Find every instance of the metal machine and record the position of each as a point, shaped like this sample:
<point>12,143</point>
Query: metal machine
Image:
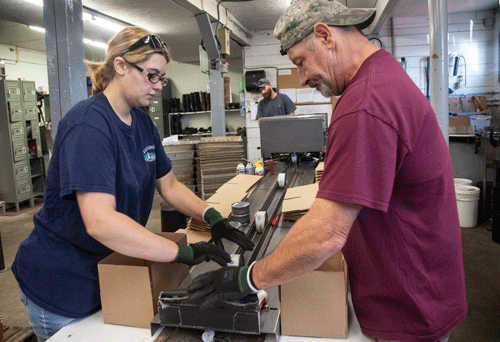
<point>267,197</point>
<point>292,134</point>
<point>281,135</point>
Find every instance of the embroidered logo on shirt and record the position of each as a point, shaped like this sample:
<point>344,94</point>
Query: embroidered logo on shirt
<point>149,156</point>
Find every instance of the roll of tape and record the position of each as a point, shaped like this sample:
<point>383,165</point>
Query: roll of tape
<point>260,221</point>
<point>282,180</point>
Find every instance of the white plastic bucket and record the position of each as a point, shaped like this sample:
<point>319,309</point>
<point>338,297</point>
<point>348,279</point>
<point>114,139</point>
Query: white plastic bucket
<point>467,203</point>
<point>462,181</point>
<point>480,121</point>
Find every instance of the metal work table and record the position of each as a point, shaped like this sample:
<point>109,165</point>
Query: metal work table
<point>92,328</point>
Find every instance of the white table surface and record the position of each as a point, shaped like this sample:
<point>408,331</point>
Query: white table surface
<point>92,329</point>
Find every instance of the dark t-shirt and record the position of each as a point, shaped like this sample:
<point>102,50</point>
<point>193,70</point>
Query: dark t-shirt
<point>94,151</point>
<point>280,105</point>
<point>385,151</point>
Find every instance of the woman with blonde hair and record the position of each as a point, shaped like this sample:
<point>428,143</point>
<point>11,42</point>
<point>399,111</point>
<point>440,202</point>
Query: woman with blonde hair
<point>106,163</point>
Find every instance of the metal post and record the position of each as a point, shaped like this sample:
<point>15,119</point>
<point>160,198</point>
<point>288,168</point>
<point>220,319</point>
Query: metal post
<point>65,54</point>
<point>438,36</point>
<point>217,102</point>
<point>216,79</point>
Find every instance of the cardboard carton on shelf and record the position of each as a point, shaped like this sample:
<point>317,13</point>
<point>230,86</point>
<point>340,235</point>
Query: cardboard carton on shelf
<point>130,287</point>
<point>315,305</point>
<point>459,121</point>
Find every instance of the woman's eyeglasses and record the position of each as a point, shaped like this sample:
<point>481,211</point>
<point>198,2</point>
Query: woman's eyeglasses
<point>151,40</point>
<point>153,78</point>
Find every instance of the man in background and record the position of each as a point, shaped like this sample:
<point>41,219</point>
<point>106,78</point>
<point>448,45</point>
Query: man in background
<point>273,103</point>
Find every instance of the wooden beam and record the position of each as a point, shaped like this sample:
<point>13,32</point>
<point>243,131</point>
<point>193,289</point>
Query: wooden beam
<point>238,32</point>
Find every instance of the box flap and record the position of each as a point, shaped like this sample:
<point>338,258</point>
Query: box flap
<point>315,305</point>
<point>130,286</point>
<point>194,236</point>
<point>126,295</point>
<point>300,198</point>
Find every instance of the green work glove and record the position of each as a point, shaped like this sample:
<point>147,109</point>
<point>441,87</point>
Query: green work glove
<point>220,228</point>
<point>226,283</point>
<point>198,252</point>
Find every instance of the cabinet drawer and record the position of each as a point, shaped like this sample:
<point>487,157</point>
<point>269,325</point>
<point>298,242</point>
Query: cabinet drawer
<point>23,190</point>
<point>19,150</point>
<point>13,91</point>
<point>15,111</point>
<point>17,131</point>
<point>30,111</point>
<point>21,170</point>
<point>29,93</point>
<point>158,110</point>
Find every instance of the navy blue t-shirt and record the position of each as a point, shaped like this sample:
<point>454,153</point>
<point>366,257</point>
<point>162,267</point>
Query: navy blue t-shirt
<point>94,151</point>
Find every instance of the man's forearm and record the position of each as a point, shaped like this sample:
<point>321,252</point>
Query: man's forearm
<point>313,239</point>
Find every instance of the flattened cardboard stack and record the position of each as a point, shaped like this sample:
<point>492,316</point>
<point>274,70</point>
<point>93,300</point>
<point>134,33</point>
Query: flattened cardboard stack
<point>235,190</point>
<point>182,156</point>
<point>298,201</point>
<point>318,172</point>
<point>217,161</point>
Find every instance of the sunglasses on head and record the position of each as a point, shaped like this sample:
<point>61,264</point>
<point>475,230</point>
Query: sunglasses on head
<point>151,40</point>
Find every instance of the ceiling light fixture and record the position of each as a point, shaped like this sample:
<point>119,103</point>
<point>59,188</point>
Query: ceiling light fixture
<point>2,61</point>
<point>94,43</point>
<point>36,28</point>
<point>102,22</point>
<point>91,17</point>
<point>36,2</point>
<point>85,40</point>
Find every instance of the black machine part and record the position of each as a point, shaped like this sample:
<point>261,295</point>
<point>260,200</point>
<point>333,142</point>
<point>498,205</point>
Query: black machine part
<point>243,316</point>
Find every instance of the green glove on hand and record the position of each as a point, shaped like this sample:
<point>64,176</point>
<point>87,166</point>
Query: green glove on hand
<point>226,283</point>
<point>198,252</point>
<point>220,228</point>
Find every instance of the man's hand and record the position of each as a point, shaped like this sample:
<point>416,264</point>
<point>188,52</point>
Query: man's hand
<point>220,228</point>
<point>226,283</point>
<point>202,251</point>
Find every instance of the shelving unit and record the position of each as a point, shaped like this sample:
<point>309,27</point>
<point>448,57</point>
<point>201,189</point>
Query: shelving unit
<point>231,114</point>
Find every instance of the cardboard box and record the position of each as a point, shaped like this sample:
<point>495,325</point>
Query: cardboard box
<point>316,304</point>
<point>130,287</point>
<point>459,121</point>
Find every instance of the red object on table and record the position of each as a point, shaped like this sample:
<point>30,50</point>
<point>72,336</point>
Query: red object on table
<point>271,166</point>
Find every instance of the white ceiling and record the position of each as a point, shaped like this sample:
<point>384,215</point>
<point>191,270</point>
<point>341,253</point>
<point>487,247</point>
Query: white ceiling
<point>176,25</point>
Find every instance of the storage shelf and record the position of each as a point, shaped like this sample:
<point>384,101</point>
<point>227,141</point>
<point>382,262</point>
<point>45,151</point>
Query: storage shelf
<point>203,134</point>
<point>236,110</point>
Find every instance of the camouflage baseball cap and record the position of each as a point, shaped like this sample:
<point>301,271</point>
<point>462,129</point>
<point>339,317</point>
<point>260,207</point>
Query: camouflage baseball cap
<point>300,17</point>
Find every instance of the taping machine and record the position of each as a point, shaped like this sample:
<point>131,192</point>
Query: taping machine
<point>283,136</point>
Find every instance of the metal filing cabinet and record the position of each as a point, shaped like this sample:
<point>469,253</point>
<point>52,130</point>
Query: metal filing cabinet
<point>20,142</point>
<point>156,113</point>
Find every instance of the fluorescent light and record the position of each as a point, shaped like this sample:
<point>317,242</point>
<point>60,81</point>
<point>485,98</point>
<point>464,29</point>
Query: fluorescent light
<point>96,20</point>
<point>86,41</point>
<point>36,28</point>
<point>102,22</point>
<point>36,2</point>
<point>94,43</point>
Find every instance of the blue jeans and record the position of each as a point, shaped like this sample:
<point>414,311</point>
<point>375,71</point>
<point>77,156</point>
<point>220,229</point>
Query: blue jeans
<point>444,338</point>
<point>44,323</point>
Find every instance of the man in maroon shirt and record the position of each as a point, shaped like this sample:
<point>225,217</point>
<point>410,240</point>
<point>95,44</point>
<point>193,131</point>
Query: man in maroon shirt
<point>386,197</point>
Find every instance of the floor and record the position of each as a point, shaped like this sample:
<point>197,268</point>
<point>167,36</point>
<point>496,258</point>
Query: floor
<point>481,261</point>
